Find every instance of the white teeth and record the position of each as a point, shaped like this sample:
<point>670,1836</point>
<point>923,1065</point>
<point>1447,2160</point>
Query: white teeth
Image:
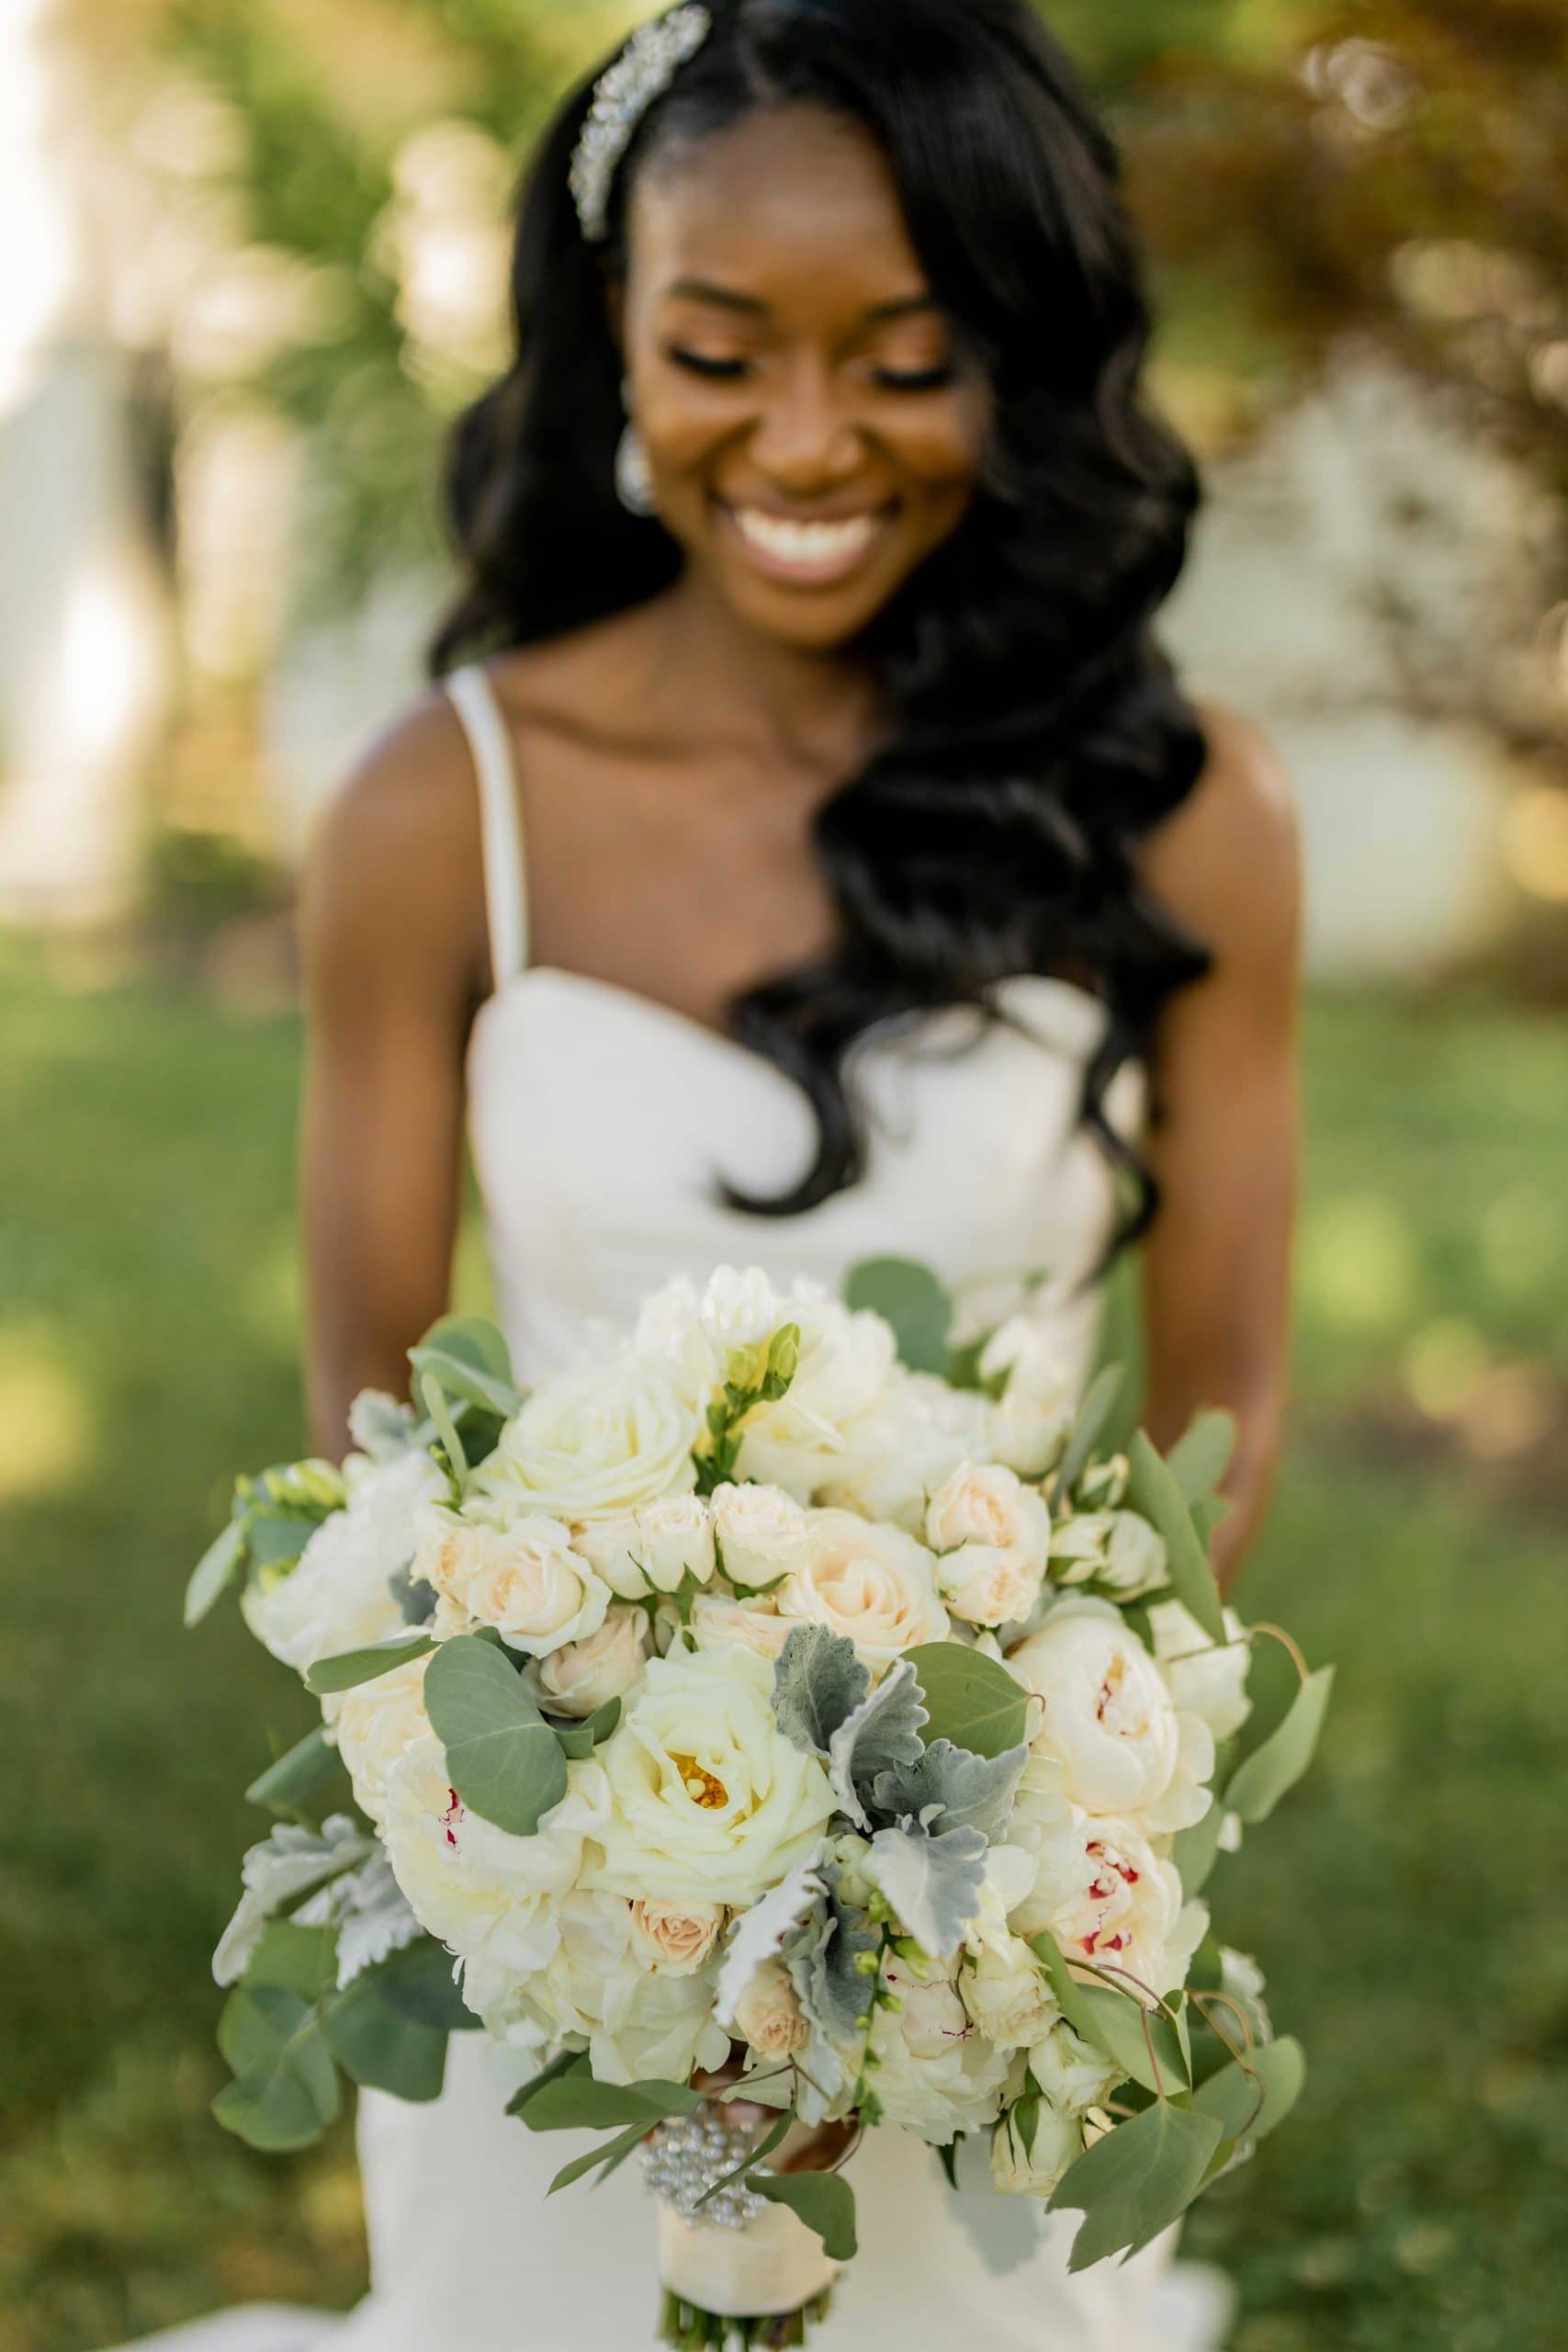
<point>811,546</point>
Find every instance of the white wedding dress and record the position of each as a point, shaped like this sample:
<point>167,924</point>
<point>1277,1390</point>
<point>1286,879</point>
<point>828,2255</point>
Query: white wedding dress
<point>599,1122</point>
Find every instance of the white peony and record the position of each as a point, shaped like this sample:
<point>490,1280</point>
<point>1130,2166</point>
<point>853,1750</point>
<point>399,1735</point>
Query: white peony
<point>585,1675</point>
<point>938,2075</point>
<point>656,1549</point>
<point>1205,1679</point>
<point>594,1445</point>
<point>564,1995</point>
<point>1106,1897</point>
<point>656,2028</point>
<point>875,1585</point>
<point>338,1595</point>
<point>895,1455</point>
<point>1031,2148</point>
<point>1030,1420</point>
<point>377,1723</point>
<point>708,1801</point>
<point>719,1622</point>
<point>1110,1721</point>
<point>759,1530</point>
<point>524,1579</point>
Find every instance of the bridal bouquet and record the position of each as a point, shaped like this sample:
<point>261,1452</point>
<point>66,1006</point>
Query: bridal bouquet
<point>789,1710</point>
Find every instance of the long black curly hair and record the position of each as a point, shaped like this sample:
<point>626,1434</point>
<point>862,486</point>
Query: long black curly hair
<point>1039,730</point>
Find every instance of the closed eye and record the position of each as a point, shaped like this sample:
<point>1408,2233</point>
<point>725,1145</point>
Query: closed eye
<point>698,363</point>
<point>925,380</point>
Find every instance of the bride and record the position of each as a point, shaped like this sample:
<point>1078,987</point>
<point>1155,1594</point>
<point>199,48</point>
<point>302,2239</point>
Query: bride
<point>845,874</point>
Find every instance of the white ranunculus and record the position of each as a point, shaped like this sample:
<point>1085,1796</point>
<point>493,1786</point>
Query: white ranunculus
<point>482,1893</point>
<point>594,1445</point>
<point>655,1549</point>
<point>1030,1420</point>
<point>338,1595</point>
<point>894,1456</point>
<point>719,1622</point>
<point>769,2015</point>
<point>1006,1993</point>
<point>1072,2073</point>
<point>938,2075</point>
<point>377,1723</point>
<point>1109,1719</point>
<point>585,1675</point>
<point>875,1585</point>
<point>708,1801</point>
<point>1205,1680</point>
<point>759,1532</point>
<point>678,1938</point>
<point>1031,2148</point>
<point>656,2028</point>
<point>523,1578</point>
<point>1107,1896</point>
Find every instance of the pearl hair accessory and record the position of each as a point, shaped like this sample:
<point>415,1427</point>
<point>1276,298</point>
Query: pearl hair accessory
<point>640,74</point>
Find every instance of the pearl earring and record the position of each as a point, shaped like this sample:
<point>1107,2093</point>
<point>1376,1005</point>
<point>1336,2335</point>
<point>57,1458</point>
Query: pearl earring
<point>633,475</point>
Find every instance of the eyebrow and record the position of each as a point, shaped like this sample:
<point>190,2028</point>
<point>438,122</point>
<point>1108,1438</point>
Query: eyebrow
<point>726,298</point>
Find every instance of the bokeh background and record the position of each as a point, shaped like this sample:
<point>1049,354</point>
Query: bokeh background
<point>252,260</point>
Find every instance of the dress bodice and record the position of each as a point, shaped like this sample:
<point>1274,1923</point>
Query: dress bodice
<point>603,1126</point>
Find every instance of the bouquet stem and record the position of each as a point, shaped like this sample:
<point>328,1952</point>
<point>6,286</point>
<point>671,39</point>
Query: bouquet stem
<point>690,2329</point>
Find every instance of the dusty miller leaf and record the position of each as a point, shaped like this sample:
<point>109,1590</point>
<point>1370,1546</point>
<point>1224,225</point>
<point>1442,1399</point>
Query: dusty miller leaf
<point>292,1862</point>
<point>759,1934</point>
<point>933,1883</point>
<point>973,1792</point>
<point>818,1681</point>
<point>884,1733</point>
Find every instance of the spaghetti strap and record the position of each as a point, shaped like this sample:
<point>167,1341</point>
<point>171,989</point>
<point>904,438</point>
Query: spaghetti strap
<point>506,889</point>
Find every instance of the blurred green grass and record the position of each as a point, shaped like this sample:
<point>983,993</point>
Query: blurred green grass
<point>1408,1905</point>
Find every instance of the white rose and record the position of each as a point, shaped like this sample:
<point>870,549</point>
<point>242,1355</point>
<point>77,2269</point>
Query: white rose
<point>994,1536</point>
<point>1107,1896</point>
<point>1072,2073</point>
<point>675,1936</point>
<point>1109,1719</point>
<point>1205,1679</point>
<point>846,1363</point>
<point>655,1549</point>
<point>938,2076</point>
<point>759,1532</point>
<point>656,2028</point>
<point>895,1455</point>
<point>709,1802</point>
<point>338,1596</point>
<point>583,1676</point>
<point>719,1623</point>
<point>1031,2148</point>
<point>523,1578</point>
<point>1006,1991</point>
<point>1115,1548</point>
<point>377,1723</point>
<point>875,1585</point>
<point>769,2015</point>
<point>482,1893</point>
<point>1030,1420</point>
<point>594,1445</point>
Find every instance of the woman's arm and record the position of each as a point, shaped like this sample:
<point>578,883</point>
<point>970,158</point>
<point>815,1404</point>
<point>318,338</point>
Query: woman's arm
<point>394,959</point>
<point>1216,1267</point>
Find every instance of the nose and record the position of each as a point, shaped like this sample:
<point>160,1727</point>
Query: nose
<point>805,442</point>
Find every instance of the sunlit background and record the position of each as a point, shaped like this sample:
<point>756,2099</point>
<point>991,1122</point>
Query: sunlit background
<point>252,261</point>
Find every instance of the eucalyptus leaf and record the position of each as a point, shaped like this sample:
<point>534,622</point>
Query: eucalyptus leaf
<point>1137,2180</point>
<point>823,2201</point>
<point>418,1981</point>
<point>818,1681</point>
<point>883,1732</point>
<point>909,1296</point>
<point>608,2156</point>
<point>312,1769</point>
<point>1152,1490</point>
<point>276,1539</point>
<point>578,1740</point>
<point>351,1668</point>
<point>969,1791</point>
<point>933,1883</point>
<point>1120,2019</point>
<point>1250,2097</point>
<point>1265,1776</point>
<point>383,2049</point>
<point>971,1700</point>
<point>565,2062</point>
<point>502,1758</point>
<point>286,2087</point>
<point>215,1572</point>
<point>1195,1852</point>
<point>574,2101</point>
<point>1099,1404</point>
<point>1199,1460</point>
<point>302,1960</point>
<point>464,1383</point>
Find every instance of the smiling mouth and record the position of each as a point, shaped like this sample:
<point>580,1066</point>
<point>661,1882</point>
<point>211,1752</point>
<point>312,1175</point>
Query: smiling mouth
<point>816,554</point>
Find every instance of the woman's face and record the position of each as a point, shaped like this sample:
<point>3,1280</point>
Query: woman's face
<point>814,430</point>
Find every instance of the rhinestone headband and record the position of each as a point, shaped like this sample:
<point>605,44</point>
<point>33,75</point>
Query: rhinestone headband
<point>640,74</point>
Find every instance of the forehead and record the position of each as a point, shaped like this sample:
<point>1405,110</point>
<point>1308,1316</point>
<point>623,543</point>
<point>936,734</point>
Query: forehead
<point>788,203</point>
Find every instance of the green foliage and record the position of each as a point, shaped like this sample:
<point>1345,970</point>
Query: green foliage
<point>1151,1489</point>
<point>1271,1770</point>
<point>910,1296</point>
<point>1252,2096</point>
<point>503,1759</point>
<point>1199,1458</point>
<point>379,2044</point>
<point>572,2101</point>
<point>308,1782</point>
<point>972,1700</point>
<point>285,2087</point>
<point>352,1667</point>
<point>1137,2180</point>
<point>754,1376</point>
<point>467,1358</point>
<point>823,2201</point>
<point>1100,1402</point>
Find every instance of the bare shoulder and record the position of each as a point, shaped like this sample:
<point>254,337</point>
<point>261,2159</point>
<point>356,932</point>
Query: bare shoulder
<point>398,857</point>
<point>1227,863</point>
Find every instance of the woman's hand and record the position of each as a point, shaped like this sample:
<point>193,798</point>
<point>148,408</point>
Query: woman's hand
<point>818,2149</point>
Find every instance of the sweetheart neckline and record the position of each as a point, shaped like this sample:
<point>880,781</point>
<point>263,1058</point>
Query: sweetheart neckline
<point>1069,994</point>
